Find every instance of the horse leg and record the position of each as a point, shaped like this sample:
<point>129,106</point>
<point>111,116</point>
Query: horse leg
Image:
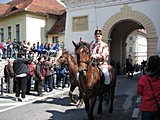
<point>86,102</point>
<point>80,103</point>
<point>112,91</point>
<point>73,99</point>
<point>100,104</point>
<point>92,102</point>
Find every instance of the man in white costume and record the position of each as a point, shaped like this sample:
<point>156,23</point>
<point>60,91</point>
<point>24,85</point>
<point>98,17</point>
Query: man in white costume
<point>100,52</point>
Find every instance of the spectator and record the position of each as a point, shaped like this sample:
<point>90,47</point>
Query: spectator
<point>56,77</point>
<point>41,49</point>
<point>15,48</point>
<point>52,50</point>
<point>28,49</point>
<point>152,78</point>
<point>0,50</point>
<point>9,74</point>
<point>62,75</point>
<point>34,48</point>
<point>4,48</point>
<point>57,46</point>
<point>29,77</point>
<point>39,75</point>
<point>21,68</point>
<point>9,48</point>
<point>48,77</point>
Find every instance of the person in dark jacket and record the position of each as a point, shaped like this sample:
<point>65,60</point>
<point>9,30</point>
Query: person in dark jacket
<point>39,75</point>
<point>48,77</point>
<point>21,68</point>
<point>9,74</point>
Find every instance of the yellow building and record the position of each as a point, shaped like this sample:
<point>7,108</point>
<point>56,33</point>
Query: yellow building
<point>31,20</point>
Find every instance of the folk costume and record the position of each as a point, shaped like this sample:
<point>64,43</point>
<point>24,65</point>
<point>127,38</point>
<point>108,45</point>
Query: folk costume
<point>100,51</point>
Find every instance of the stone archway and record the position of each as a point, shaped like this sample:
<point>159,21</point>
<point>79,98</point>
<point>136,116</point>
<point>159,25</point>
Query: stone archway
<point>127,13</point>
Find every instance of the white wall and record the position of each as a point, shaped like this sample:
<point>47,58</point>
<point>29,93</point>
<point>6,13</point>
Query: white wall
<point>13,21</point>
<point>35,28</point>
<point>150,8</point>
<point>99,15</point>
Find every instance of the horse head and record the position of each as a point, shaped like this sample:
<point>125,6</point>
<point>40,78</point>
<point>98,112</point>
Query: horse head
<point>63,59</point>
<point>83,52</point>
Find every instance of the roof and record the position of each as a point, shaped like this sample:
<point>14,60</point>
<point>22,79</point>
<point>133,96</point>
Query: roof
<point>3,8</point>
<point>37,6</point>
<point>59,26</point>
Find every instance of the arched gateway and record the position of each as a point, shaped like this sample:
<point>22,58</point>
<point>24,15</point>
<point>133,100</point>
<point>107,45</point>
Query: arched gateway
<point>117,19</point>
<point>119,26</point>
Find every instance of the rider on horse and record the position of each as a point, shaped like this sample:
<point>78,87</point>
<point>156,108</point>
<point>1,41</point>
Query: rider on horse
<point>100,52</point>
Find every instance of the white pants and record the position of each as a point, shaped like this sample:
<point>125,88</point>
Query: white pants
<point>106,74</point>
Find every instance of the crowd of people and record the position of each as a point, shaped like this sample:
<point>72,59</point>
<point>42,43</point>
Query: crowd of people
<point>32,63</point>
<point>10,49</point>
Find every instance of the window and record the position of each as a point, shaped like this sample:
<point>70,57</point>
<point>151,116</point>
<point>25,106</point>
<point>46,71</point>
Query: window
<point>130,49</point>
<point>9,32</point>
<point>1,34</point>
<point>18,32</point>
<point>54,39</point>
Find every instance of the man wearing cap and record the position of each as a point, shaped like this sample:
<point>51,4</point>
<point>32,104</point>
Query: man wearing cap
<point>100,52</point>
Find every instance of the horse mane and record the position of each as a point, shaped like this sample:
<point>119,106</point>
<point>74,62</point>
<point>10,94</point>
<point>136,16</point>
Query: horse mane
<point>85,44</point>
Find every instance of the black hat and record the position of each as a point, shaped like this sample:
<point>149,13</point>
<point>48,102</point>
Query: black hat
<point>98,32</point>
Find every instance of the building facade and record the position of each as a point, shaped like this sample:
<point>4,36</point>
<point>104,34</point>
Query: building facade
<point>117,19</point>
<point>29,20</point>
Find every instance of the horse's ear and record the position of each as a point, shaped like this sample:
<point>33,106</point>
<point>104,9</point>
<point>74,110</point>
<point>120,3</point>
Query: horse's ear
<point>75,45</point>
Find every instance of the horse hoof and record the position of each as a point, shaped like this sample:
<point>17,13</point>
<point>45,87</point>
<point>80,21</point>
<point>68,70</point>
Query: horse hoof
<point>74,100</point>
<point>79,104</point>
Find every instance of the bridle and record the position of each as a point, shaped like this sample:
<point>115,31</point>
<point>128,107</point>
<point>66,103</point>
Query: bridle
<point>82,61</point>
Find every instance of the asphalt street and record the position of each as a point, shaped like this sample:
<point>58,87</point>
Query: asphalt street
<point>57,105</point>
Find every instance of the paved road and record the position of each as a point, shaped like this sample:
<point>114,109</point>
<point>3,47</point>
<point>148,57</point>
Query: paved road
<point>58,106</point>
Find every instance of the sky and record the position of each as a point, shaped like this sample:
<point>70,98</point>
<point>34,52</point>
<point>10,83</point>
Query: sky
<point>4,1</point>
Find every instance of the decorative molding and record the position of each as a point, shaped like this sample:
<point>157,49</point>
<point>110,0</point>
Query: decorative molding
<point>74,4</point>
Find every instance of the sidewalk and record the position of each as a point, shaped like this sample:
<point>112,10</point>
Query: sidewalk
<point>7,101</point>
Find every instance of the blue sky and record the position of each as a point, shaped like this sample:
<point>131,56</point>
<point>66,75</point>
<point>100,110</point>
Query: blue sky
<point>4,1</point>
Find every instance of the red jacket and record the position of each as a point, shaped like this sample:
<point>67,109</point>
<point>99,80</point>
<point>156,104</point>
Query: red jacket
<point>0,46</point>
<point>31,66</point>
<point>148,102</point>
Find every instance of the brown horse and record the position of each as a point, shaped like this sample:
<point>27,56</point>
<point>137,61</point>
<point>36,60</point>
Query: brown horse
<point>92,80</point>
<point>70,61</point>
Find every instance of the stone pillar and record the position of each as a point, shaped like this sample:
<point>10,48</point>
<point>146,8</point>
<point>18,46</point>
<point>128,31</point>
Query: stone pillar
<point>151,46</point>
